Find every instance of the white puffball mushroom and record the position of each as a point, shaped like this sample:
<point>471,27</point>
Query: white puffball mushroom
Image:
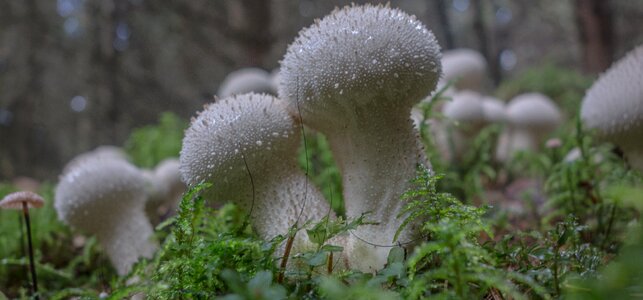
<point>613,106</point>
<point>106,198</point>
<point>466,109</point>
<point>246,146</point>
<point>164,188</point>
<point>494,110</point>
<point>246,80</point>
<point>465,118</point>
<point>467,67</point>
<point>530,118</point>
<point>354,76</point>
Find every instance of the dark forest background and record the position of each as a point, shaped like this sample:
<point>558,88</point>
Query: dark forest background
<point>75,74</point>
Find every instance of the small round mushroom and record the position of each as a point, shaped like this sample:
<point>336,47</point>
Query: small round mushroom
<point>467,67</point>
<point>165,189</point>
<point>106,198</point>
<point>494,110</point>
<point>465,114</point>
<point>246,80</point>
<point>246,146</point>
<point>531,117</point>
<point>354,76</point>
<point>613,106</point>
<point>23,201</point>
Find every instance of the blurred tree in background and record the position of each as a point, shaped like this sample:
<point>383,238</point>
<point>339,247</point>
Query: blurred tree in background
<point>75,74</point>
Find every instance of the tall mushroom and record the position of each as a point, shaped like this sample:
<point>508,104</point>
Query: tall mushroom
<point>106,198</point>
<point>354,76</point>
<point>246,146</point>
<point>613,106</point>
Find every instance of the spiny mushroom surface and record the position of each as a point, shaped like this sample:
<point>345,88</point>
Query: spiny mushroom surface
<point>246,146</point>
<point>467,67</point>
<point>354,76</point>
<point>531,117</point>
<point>106,198</point>
<point>246,80</point>
<point>613,106</point>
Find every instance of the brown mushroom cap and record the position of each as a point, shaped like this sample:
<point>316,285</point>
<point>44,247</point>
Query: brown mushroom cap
<point>15,200</point>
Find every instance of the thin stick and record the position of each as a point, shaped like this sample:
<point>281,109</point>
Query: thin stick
<point>23,248</point>
<point>32,265</point>
<point>284,260</point>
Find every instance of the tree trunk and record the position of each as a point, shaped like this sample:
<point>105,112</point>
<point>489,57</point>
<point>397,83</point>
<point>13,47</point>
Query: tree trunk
<point>596,33</point>
<point>443,14</point>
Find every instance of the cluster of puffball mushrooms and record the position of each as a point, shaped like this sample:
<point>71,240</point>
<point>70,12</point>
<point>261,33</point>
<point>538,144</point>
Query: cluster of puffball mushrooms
<point>103,194</point>
<point>354,76</point>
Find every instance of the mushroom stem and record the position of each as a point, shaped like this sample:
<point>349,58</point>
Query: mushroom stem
<point>388,154</point>
<point>127,240</point>
<point>32,265</point>
<point>303,203</point>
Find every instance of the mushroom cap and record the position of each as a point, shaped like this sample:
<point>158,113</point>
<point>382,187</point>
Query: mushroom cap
<point>103,152</point>
<point>367,57</point>
<point>252,129</point>
<point>95,192</point>
<point>467,66</point>
<point>246,80</point>
<point>533,111</point>
<point>465,107</point>
<point>493,110</point>
<point>15,200</point>
<point>613,105</point>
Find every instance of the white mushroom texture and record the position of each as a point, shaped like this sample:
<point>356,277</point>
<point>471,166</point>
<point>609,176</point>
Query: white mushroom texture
<point>106,197</point>
<point>354,76</point>
<point>246,147</point>
<point>613,106</point>
<point>246,80</point>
